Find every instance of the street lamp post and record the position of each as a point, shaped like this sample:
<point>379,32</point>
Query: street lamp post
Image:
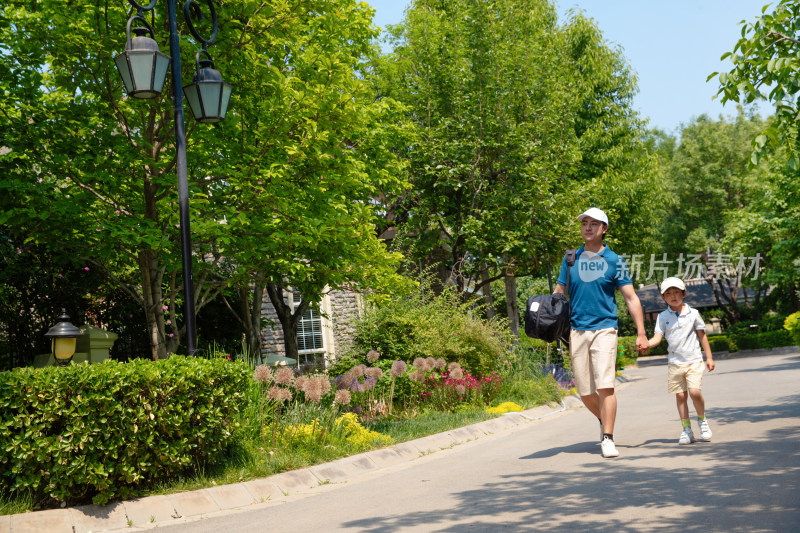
<point>143,70</point>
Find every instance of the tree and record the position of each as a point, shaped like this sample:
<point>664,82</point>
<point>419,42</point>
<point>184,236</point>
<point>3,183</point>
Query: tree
<point>280,191</point>
<point>514,113</point>
<point>764,68</point>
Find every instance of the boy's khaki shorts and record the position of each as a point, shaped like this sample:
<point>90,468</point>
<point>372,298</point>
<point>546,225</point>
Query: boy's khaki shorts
<point>594,359</point>
<point>680,378</point>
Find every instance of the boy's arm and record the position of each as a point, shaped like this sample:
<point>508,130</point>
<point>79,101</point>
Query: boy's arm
<point>701,335</point>
<point>655,341</point>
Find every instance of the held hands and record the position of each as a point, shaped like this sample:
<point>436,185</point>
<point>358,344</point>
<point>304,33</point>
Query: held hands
<point>642,344</point>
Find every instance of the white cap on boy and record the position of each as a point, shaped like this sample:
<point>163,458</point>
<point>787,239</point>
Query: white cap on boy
<point>594,213</point>
<point>672,282</point>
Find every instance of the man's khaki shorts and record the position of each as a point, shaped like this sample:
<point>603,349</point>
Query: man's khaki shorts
<point>594,359</point>
<point>680,378</point>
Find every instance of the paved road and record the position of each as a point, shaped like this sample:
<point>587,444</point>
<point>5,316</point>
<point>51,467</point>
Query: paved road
<point>549,475</point>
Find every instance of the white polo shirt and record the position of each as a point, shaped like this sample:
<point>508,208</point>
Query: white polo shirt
<point>679,330</point>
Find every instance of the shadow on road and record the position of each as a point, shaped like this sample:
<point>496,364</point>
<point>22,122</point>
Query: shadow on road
<point>735,482</point>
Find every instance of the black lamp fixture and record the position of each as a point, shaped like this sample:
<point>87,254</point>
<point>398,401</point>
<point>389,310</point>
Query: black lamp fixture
<point>143,69</point>
<point>142,66</point>
<point>63,336</point>
<point>208,95</point>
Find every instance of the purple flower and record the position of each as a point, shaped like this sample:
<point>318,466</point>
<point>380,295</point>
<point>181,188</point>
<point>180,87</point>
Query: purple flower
<point>86,269</point>
<point>171,335</point>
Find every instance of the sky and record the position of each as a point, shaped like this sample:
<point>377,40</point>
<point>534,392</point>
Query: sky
<point>671,45</point>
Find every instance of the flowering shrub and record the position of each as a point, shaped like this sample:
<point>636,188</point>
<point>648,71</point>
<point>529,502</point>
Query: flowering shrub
<point>448,390</point>
<point>360,437</point>
<point>505,407</point>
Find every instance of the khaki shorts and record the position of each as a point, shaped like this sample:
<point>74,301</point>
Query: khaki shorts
<point>594,359</point>
<point>680,378</point>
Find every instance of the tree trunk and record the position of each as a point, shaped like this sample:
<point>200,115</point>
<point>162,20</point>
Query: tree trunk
<point>250,308</point>
<point>511,300</point>
<point>152,298</point>
<point>488,299</point>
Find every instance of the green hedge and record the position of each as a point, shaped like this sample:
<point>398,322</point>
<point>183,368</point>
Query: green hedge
<point>765,340</point>
<point>96,432</point>
<point>721,343</point>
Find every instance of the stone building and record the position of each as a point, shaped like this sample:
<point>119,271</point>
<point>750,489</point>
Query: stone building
<point>321,333</point>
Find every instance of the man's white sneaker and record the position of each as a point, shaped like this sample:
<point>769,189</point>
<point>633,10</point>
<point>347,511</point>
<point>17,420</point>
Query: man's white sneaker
<point>686,436</point>
<point>608,448</point>
<point>705,430</point>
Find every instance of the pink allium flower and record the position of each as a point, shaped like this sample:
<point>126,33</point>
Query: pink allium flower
<point>262,374</point>
<point>279,394</point>
<point>374,372</point>
<point>441,363</point>
<point>358,371</point>
<point>461,389</point>
<point>284,376</point>
<point>300,383</point>
<point>368,384</point>
<point>419,363</point>
<point>314,395</point>
<point>453,365</point>
<point>342,397</point>
<point>398,368</point>
<point>372,356</point>
<point>457,373</point>
<point>430,363</point>
<point>322,383</point>
<point>417,375</point>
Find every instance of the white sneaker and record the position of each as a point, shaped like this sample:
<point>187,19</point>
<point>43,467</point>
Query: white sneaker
<point>705,430</point>
<point>687,437</point>
<point>608,448</point>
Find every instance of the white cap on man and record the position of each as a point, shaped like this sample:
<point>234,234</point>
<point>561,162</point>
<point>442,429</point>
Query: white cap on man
<point>594,213</point>
<point>672,282</point>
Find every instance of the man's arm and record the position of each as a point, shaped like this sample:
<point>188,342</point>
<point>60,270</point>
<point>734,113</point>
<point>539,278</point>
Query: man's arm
<point>635,309</point>
<point>560,289</point>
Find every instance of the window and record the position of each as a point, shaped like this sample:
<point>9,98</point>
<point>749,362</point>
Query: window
<point>310,340</point>
<point>309,331</point>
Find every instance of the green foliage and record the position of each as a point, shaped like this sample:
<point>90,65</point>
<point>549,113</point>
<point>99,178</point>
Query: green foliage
<point>792,325</point>
<point>96,432</point>
<point>764,340</point>
<point>722,343</point>
<point>423,325</point>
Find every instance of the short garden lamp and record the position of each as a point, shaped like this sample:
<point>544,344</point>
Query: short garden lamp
<point>208,95</point>
<point>64,336</point>
<point>142,67</point>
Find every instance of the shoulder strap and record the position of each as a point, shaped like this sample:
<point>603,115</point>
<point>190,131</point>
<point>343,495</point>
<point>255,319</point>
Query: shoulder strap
<point>569,256</point>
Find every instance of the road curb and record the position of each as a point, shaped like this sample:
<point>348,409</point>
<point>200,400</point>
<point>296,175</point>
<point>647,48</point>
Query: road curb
<point>143,514</point>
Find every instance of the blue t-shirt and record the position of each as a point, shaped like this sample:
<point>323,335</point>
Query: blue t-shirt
<point>592,281</point>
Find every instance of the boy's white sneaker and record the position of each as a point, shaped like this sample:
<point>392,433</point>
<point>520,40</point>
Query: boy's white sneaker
<point>705,430</point>
<point>608,449</point>
<point>687,437</point>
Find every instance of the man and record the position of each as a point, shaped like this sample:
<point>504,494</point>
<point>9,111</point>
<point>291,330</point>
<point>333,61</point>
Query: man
<point>597,272</point>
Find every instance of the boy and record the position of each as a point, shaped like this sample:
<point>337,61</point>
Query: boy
<point>685,332</point>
